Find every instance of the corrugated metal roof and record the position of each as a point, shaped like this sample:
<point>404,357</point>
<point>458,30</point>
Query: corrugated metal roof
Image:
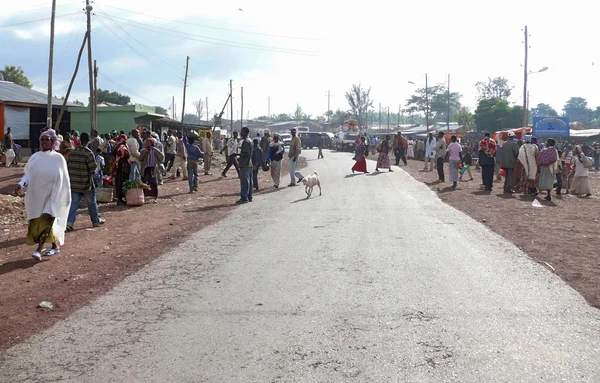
<point>11,92</point>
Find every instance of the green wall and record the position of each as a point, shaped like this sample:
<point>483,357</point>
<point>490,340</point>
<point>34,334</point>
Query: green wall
<point>109,117</point>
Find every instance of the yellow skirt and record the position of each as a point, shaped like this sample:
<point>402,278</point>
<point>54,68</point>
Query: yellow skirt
<point>39,230</point>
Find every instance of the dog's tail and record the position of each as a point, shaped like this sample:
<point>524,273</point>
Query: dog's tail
<point>315,173</point>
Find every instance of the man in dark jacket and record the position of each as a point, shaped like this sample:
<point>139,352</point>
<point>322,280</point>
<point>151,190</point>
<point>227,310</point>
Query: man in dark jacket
<point>508,162</point>
<point>258,161</point>
<point>245,163</point>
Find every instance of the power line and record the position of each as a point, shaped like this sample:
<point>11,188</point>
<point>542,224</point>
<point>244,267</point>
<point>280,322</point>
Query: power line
<point>144,57</point>
<point>35,21</point>
<point>154,103</point>
<point>218,28</point>
<point>39,8</point>
<point>164,31</point>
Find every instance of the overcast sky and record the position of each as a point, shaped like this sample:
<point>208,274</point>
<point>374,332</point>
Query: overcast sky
<point>329,46</point>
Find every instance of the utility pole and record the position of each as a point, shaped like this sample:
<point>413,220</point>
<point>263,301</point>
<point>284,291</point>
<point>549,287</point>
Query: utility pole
<point>207,114</point>
<point>388,119</point>
<point>88,9</point>
<point>173,108</point>
<point>448,117</point>
<point>328,105</point>
<point>231,105</point>
<point>426,103</point>
<point>51,65</point>
<point>525,87</point>
<point>269,107</point>
<point>242,108</point>
<point>187,64</point>
<point>399,112</point>
<point>379,127</point>
<point>95,124</point>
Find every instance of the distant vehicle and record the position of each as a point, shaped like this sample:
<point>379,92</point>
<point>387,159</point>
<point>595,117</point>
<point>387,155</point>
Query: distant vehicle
<point>286,138</point>
<point>345,141</point>
<point>303,129</point>
<point>308,139</point>
<point>328,140</point>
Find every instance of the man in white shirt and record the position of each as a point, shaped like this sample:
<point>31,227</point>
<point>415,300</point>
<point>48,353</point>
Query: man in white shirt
<point>232,148</point>
<point>207,148</point>
<point>170,150</point>
<point>134,153</point>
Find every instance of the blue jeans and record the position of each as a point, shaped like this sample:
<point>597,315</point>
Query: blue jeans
<point>246,184</point>
<point>134,172</point>
<point>192,169</point>
<point>91,203</point>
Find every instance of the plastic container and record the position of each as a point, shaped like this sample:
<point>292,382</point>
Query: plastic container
<point>134,197</point>
<point>105,195</point>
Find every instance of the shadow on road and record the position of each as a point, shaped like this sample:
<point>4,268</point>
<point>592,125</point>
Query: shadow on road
<point>17,265</point>
<point>300,200</point>
<point>376,173</point>
<point>208,208</point>
<point>506,196</point>
<point>352,175</point>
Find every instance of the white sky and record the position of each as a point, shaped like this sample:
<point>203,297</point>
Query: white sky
<point>381,44</point>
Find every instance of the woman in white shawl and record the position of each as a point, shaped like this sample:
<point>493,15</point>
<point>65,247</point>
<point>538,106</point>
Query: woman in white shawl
<point>48,196</point>
<point>528,158</point>
<point>410,153</point>
<point>430,152</point>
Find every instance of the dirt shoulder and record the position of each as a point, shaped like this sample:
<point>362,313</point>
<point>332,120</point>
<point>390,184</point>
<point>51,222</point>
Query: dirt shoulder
<point>562,234</point>
<point>93,260</point>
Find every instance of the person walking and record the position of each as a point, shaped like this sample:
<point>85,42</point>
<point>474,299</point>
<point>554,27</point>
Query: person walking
<point>170,151</point>
<point>440,155</point>
<point>82,166</point>
<point>257,162</point>
<point>274,158</point>
<point>150,158</point>
<point>547,158</point>
<point>48,196</point>
<point>508,162</point>
<point>487,157</point>
<point>320,146</point>
<point>133,147</point>
<point>361,161</point>
<point>9,147</point>
<point>528,158</point>
<point>207,148</point>
<point>429,152</point>
<point>265,141</point>
<point>180,161</point>
<point>383,159</point>
<point>294,156</point>
<point>455,159</point>
<point>231,151</point>
<point>193,156</point>
<point>245,163</point>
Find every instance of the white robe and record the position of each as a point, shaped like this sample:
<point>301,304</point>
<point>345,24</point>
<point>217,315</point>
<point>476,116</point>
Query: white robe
<point>48,189</point>
<point>527,157</point>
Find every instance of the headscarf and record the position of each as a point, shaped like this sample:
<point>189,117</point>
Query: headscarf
<point>569,147</point>
<point>53,138</point>
<point>488,146</point>
<point>527,138</point>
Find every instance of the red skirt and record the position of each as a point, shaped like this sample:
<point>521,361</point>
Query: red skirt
<point>360,165</point>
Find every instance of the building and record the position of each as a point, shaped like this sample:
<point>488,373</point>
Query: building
<point>120,118</point>
<point>24,110</point>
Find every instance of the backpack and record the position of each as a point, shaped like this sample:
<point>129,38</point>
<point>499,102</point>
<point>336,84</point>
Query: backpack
<point>547,157</point>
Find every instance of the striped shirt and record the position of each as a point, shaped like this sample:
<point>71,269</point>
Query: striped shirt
<point>151,159</point>
<point>81,164</point>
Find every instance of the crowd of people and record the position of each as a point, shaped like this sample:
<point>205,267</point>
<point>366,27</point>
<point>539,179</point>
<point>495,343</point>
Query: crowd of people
<point>69,168</point>
<point>527,165</point>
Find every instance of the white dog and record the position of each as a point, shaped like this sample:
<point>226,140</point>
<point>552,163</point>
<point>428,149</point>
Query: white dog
<point>310,182</point>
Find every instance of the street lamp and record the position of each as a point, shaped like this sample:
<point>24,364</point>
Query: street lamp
<point>426,101</point>
<point>525,103</point>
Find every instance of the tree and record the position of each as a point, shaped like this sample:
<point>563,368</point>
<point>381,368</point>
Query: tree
<point>577,110</point>
<point>161,110</point>
<point>544,110</point>
<point>497,88</point>
<point>190,118</point>
<point>495,114</point>
<point>112,98</point>
<point>77,102</point>
<point>199,105</point>
<point>465,118</point>
<point>16,75</point>
<point>299,114</point>
<point>328,114</point>
<point>339,117</point>
<point>360,102</point>
<point>437,98</point>
<point>283,117</point>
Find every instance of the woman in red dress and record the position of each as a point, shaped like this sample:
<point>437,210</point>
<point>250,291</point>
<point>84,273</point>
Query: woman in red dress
<point>361,160</point>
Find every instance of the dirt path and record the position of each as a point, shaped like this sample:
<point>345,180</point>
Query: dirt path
<point>562,234</point>
<point>93,260</point>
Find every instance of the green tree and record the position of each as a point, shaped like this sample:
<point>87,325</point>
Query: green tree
<point>437,98</point>
<point>299,115</point>
<point>497,87</point>
<point>16,75</point>
<point>112,97</point>
<point>161,110</point>
<point>544,110</point>
<point>77,102</point>
<point>283,117</point>
<point>190,118</point>
<point>465,118</point>
<point>577,110</point>
<point>360,101</point>
<point>495,114</point>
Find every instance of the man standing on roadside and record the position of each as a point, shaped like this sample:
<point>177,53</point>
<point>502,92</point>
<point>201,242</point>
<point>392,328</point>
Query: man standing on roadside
<point>207,148</point>
<point>95,142</point>
<point>9,147</point>
<point>170,151</point>
<point>133,147</point>
<point>510,153</point>
<point>320,146</point>
<point>82,165</point>
<point>294,156</point>
<point>264,145</point>
<point>231,152</point>
<point>487,159</point>
<point>180,158</point>
<point>274,158</point>
<point>245,167</point>
<point>440,155</point>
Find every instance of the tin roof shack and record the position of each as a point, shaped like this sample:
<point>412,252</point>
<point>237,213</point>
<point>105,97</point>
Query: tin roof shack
<point>24,110</point>
<point>120,118</point>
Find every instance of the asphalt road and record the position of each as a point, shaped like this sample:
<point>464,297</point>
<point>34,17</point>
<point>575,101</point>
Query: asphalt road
<point>374,281</point>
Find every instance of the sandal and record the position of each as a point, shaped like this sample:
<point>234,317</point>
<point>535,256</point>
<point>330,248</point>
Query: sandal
<point>51,252</point>
<point>37,256</point>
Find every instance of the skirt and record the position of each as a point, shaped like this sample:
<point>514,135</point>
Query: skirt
<point>39,230</point>
<point>547,178</point>
<point>383,161</point>
<point>453,170</point>
<point>149,179</point>
<point>580,186</point>
<point>360,165</point>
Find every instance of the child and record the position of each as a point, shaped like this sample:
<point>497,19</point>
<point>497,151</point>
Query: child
<point>468,162</point>
<point>99,175</point>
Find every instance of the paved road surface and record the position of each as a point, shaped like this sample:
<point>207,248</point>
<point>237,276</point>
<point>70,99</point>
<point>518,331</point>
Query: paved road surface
<point>375,281</point>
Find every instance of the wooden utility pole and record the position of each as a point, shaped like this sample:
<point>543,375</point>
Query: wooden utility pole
<point>426,103</point>
<point>64,105</point>
<point>328,105</point>
<point>388,120</point>
<point>92,104</point>
<point>448,117</point>
<point>173,108</point>
<point>242,108</point>
<point>95,96</point>
<point>231,105</point>
<point>187,63</point>
<point>379,127</point>
<point>51,65</point>
<point>525,86</point>
<point>269,107</point>
<point>207,114</point>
